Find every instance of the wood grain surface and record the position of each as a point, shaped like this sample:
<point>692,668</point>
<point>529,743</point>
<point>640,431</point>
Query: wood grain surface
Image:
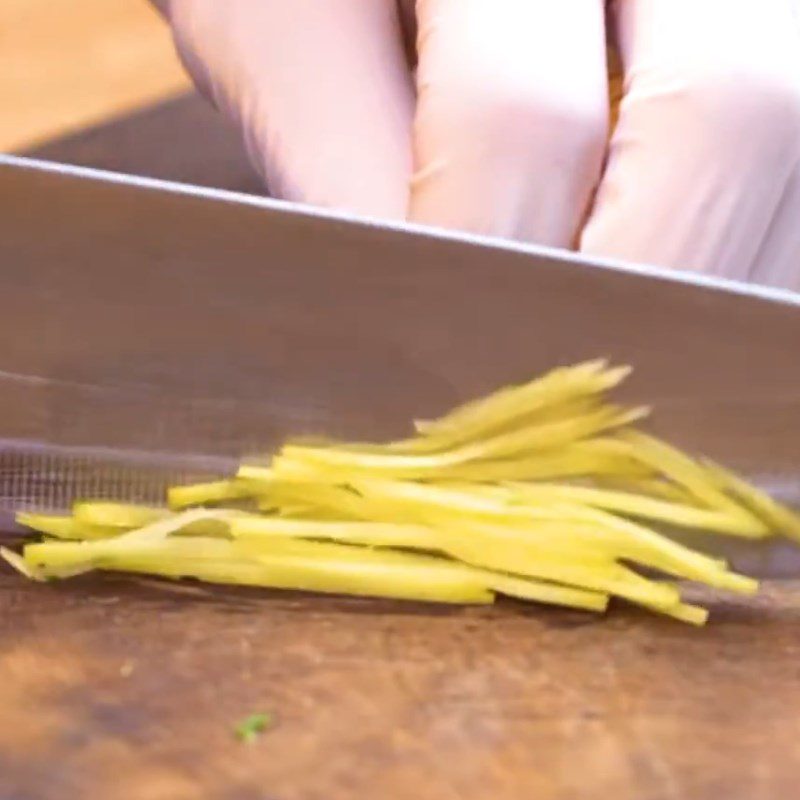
<point>65,64</point>
<point>117,689</point>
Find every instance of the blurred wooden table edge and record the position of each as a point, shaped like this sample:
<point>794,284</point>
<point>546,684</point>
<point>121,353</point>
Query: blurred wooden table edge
<point>66,64</point>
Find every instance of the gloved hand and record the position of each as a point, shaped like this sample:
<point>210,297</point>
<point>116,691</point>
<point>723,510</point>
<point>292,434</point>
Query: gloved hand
<point>498,123</point>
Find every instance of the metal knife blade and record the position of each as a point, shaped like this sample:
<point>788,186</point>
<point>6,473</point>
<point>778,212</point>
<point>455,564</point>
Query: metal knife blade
<point>155,332</point>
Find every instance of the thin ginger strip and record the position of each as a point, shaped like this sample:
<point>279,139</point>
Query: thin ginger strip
<point>540,491</point>
<point>719,521</point>
<point>315,567</point>
<point>507,444</point>
<point>477,418</point>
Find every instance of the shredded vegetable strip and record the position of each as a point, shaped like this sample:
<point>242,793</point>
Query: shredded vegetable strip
<point>179,497</point>
<point>503,445</point>
<point>684,471</point>
<point>772,513</point>
<point>64,527</point>
<point>315,567</point>
<point>540,491</point>
<point>638,506</point>
<point>477,418</point>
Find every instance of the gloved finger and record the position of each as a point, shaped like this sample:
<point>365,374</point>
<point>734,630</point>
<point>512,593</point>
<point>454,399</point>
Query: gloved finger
<point>778,259</point>
<point>321,92</point>
<point>512,115</point>
<point>708,140</point>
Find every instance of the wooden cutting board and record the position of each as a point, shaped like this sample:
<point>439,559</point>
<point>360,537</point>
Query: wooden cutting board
<point>119,689</point>
<point>114,689</point>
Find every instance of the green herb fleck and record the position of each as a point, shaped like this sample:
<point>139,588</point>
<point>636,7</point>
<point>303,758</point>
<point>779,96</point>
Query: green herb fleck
<point>249,729</point>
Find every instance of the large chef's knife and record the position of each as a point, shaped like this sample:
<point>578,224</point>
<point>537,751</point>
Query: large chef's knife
<point>152,332</point>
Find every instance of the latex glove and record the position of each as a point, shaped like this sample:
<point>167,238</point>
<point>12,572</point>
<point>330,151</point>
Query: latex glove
<point>501,126</point>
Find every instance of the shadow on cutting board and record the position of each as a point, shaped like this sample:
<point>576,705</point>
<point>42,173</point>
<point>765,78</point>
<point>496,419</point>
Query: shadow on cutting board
<point>180,139</point>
